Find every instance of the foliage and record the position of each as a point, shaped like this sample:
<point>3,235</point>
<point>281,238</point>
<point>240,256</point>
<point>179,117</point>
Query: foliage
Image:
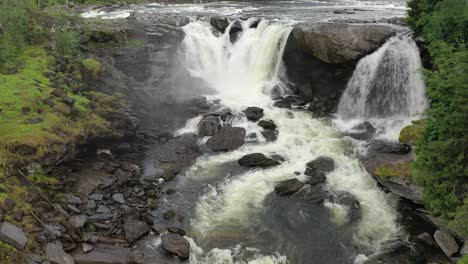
<point>67,42</point>
<point>411,134</point>
<point>92,67</point>
<point>463,260</point>
<point>401,169</point>
<point>442,151</point>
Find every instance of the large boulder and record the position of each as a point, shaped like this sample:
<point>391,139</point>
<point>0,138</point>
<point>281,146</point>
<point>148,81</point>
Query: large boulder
<point>208,125</point>
<point>324,164</point>
<point>446,242</point>
<point>253,113</point>
<point>257,160</point>
<point>227,139</point>
<point>56,255</point>
<point>341,43</point>
<point>175,244</point>
<point>288,187</point>
<point>390,147</point>
<point>267,124</point>
<point>134,229</point>
<point>219,23</point>
<point>13,235</point>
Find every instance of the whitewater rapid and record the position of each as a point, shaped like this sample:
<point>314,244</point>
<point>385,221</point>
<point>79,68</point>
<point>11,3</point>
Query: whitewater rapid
<point>243,74</point>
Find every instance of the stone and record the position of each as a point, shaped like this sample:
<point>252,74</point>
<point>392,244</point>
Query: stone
<point>78,220</point>
<point>134,229</point>
<point>73,208</point>
<point>177,230</point>
<point>13,235</point>
<point>100,217</point>
<point>288,187</point>
<point>446,242</point>
<point>227,138</point>
<point>253,113</point>
<point>340,43</point>
<point>56,255</point>
<point>103,210</point>
<point>169,214</point>
<point>208,125</point>
<point>270,135</point>
<point>106,254</point>
<point>72,199</point>
<point>390,147</point>
<point>464,249</point>
<point>86,247</point>
<point>18,216</point>
<point>315,176</point>
<point>175,244</point>
<point>289,102</point>
<point>324,164</point>
<point>68,100</point>
<point>118,197</point>
<point>96,197</point>
<point>312,193</point>
<point>219,23</point>
<point>257,160</point>
<point>267,124</point>
<point>122,176</point>
<point>9,204</point>
<point>91,205</point>
<point>427,239</point>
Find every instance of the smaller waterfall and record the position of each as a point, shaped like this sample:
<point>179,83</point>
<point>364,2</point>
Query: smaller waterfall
<point>387,83</point>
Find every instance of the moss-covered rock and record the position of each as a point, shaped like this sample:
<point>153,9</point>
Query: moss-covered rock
<point>400,169</point>
<point>92,67</point>
<point>411,134</point>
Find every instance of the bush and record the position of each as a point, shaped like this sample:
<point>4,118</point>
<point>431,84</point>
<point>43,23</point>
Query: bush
<point>67,42</point>
<point>92,67</point>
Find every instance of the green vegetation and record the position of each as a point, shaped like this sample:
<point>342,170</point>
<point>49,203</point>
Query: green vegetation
<point>442,151</point>
<point>412,134</point>
<point>464,260</point>
<point>92,67</point>
<point>402,169</point>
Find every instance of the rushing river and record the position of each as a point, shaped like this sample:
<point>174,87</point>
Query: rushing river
<point>235,217</point>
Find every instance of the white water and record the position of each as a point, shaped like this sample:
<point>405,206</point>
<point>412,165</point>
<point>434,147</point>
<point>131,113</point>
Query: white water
<point>242,75</point>
<point>386,88</point>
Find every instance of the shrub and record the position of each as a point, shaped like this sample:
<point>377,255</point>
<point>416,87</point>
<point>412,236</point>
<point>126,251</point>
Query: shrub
<point>67,42</point>
<point>92,67</point>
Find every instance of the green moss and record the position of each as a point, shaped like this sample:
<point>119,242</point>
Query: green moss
<point>463,260</point>
<point>402,169</point>
<point>92,67</point>
<point>411,134</point>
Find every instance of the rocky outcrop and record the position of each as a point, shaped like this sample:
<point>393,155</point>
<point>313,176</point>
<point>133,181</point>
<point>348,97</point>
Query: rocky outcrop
<point>257,160</point>
<point>341,43</point>
<point>288,187</point>
<point>227,139</point>
<point>175,244</point>
<point>446,242</point>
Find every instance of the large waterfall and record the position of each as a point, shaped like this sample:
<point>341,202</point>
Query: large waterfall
<point>232,201</point>
<point>387,83</point>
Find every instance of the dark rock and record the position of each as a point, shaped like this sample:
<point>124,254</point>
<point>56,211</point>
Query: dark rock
<point>96,196</point>
<point>169,214</point>
<point>100,217</point>
<point>103,210</point>
<point>72,199</point>
<point>106,254</point>
<point>289,102</point>
<point>257,160</point>
<point>267,124</point>
<point>390,147</point>
<point>208,125</point>
<point>68,100</point>
<point>227,138</point>
<point>351,202</point>
<point>134,229</point>
<point>253,113</point>
<point>177,230</point>
<point>315,176</point>
<point>73,208</point>
<point>446,242</point>
<point>18,216</point>
<point>324,164</point>
<point>122,176</point>
<point>288,187</point>
<point>340,43</point>
<point>170,191</point>
<point>9,204</point>
<point>78,220</point>
<point>278,157</point>
<point>427,239</point>
<point>25,149</point>
<point>56,255</point>
<point>12,235</point>
<point>118,197</point>
<point>312,193</point>
<point>219,23</point>
<point>366,131</point>
<point>234,31</point>
<point>270,135</point>
<point>175,244</point>
<point>343,12</point>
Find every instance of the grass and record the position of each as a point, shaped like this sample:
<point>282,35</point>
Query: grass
<point>92,67</point>
<point>402,169</point>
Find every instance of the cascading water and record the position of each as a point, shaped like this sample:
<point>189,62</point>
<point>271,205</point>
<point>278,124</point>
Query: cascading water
<point>386,85</point>
<point>233,203</point>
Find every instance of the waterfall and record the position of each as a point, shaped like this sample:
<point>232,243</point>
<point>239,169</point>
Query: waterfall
<point>243,74</point>
<point>387,83</point>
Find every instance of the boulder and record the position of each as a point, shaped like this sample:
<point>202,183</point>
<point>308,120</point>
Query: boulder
<point>253,113</point>
<point>427,239</point>
<point>315,176</point>
<point>234,31</point>
<point>134,229</point>
<point>267,125</point>
<point>289,102</point>
<point>13,235</point>
<point>56,255</point>
<point>257,160</point>
<point>175,244</point>
<point>351,202</point>
<point>227,139</point>
<point>106,254</point>
<point>78,220</point>
<point>366,131</point>
<point>270,135</point>
<point>446,242</point>
<point>219,23</point>
<point>208,125</point>
<point>324,164</point>
<point>288,187</point>
<point>118,197</point>
<point>390,147</point>
<point>312,193</point>
<point>340,43</point>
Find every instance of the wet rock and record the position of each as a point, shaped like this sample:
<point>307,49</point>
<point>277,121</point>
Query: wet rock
<point>324,164</point>
<point>169,214</point>
<point>78,220</point>
<point>340,43</point>
<point>177,230</point>
<point>219,23</point>
<point>12,235</point>
<point>175,244</point>
<point>134,229</point>
<point>288,187</point>
<point>427,239</point>
<point>253,113</point>
<point>312,193</point>
<point>152,175</point>
<point>56,255</point>
<point>257,160</point>
<point>315,176</point>
<point>464,249</point>
<point>351,202</point>
<point>234,31</point>
<point>366,131</point>
<point>390,147</point>
<point>106,254</point>
<point>267,125</point>
<point>227,139</point>
<point>270,135</point>
<point>208,125</point>
<point>122,176</point>
<point>343,12</point>
<point>446,242</point>
<point>289,102</point>
<point>118,197</point>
